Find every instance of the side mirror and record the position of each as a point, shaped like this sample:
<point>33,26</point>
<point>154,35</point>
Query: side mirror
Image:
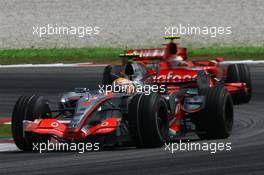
<point>220,59</point>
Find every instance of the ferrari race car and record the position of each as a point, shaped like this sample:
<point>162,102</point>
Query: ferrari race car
<point>171,66</point>
<point>118,119</point>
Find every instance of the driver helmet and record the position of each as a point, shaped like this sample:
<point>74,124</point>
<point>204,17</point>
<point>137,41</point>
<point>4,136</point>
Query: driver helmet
<point>176,61</point>
<point>123,85</point>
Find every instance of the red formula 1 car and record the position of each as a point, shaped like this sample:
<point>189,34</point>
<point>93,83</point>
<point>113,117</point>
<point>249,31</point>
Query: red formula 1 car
<point>171,66</point>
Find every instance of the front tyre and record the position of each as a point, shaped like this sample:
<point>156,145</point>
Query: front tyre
<point>28,108</point>
<point>148,120</point>
<point>215,121</point>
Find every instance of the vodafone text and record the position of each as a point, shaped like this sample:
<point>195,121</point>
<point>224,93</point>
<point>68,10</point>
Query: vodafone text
<point>174,78</point>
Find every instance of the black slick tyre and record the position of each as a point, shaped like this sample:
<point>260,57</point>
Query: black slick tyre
<point>215,121</point>
<point>240,73</point>
<point>148,120</point>
<point>28,108</point>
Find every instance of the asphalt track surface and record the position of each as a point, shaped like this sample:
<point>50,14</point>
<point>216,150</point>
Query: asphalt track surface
<point>246,156</point>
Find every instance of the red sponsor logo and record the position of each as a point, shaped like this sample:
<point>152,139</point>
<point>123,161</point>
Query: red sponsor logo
<point>174,78</point>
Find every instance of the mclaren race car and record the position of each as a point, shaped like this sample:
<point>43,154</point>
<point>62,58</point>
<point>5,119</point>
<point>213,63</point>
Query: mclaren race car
<point>171,66</point>
<point>118,119</point>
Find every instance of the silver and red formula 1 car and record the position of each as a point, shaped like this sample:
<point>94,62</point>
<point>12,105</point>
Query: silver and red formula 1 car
<point>139,119</point>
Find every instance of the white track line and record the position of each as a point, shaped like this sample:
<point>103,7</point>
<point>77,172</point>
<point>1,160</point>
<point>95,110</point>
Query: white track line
<point>94,65</point>
<point>37,65</point>
<point>51,65</point>
<point>244,62</point>
<point>6,123</point>
<point>8,147</point>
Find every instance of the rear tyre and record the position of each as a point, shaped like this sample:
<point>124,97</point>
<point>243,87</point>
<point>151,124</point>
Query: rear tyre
<point>28,108</point>
<point>148,120</point>
<point>240,73</point>
<point>215,121</point>
<point>111,72</point>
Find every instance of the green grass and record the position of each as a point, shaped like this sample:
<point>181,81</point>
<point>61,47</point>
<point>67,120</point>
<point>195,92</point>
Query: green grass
<point>5,131</point>
<point>108,55</point>
<point>62,55</point>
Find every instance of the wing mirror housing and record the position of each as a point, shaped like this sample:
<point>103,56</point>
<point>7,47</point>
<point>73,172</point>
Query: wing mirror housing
<point>220,59</point>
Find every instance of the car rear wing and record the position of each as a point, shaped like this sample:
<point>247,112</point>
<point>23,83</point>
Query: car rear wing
<point>170,51</point>
<point>138,55</point>
<point>172,37</point>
